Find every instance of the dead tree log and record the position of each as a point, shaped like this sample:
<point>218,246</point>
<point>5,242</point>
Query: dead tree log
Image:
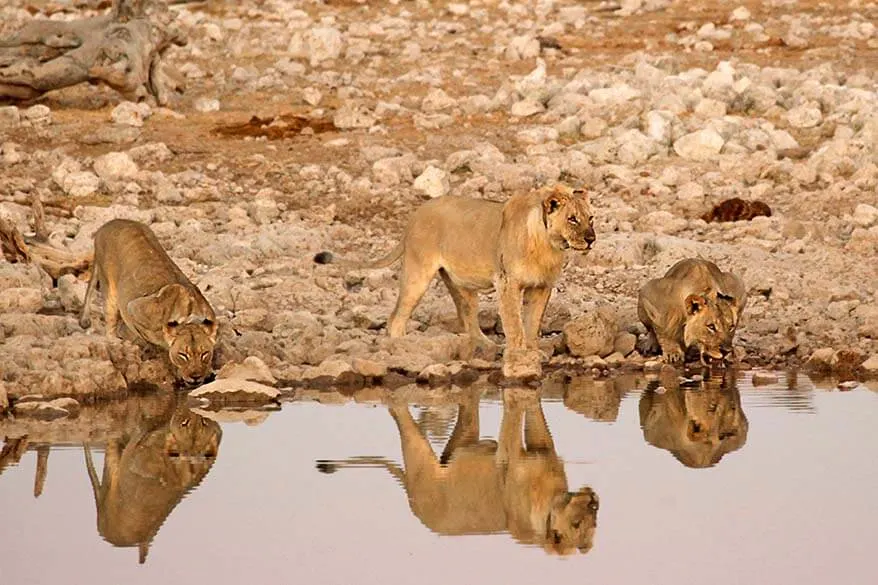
<point>122,49</point>
<point>54,261</point>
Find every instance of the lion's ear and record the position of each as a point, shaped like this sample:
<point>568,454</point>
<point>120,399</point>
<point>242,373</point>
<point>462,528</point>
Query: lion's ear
<point>580,193</point>
<point>695,303</point>
<point>211,327</point>
<point>553,201</point>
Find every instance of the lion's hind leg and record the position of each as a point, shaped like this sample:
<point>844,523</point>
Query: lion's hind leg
<point>414,279</point>
<point>466,301</point>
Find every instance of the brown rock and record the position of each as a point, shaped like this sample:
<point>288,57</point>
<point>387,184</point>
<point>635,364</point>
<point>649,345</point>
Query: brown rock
<point>593,333</point>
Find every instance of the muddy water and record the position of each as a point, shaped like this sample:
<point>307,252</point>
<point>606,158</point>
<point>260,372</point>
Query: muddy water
<point>714,481</point>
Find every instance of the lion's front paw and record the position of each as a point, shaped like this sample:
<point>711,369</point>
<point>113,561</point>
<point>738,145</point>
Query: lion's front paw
<point>674,357</point>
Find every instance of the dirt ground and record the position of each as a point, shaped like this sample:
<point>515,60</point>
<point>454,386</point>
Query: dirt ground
<point>249,187</point>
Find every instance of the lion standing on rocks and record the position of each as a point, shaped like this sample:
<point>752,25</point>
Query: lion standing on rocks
<point>475,245</point>
<point>143,286</point>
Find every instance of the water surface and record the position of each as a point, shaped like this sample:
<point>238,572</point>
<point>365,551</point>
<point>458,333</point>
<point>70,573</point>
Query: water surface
<point>714,481</point>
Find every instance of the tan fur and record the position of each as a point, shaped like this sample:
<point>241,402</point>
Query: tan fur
<point>146,476</point>
<point>143,286</point>
<point>475,245</point>
<point>694,305</point>
<point>483,487</point>
<point>697,426</point>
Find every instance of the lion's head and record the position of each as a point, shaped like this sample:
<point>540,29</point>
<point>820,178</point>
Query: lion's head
<point>711,319</point>
<point>572,521</point>
<point>698,426</point>
<point>192,435</point>
<point>190,348</point>
<point>569,219</point>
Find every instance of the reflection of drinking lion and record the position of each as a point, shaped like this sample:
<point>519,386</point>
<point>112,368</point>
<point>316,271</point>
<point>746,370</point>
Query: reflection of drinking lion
<point>698,426</point>
<point>145,477</point>
<point>516,484</point>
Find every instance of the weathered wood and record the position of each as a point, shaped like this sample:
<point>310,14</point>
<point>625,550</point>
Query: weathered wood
<point>55,261</point>
<point>122,49</point>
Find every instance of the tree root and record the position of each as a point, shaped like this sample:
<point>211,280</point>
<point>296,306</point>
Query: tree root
<point>122,49</point>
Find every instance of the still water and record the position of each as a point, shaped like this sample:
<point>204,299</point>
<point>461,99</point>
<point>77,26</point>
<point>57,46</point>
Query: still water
<point>620,481</point>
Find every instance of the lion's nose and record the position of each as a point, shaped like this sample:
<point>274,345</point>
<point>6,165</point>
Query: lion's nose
<point>590,236</point>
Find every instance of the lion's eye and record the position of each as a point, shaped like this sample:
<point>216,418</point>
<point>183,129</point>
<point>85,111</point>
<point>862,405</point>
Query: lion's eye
<point>573,219</point>
<point>205,356</point>
<point>591,221</point>
<point>712,327</point>
<point>183,356</point>
<point>185,423</point>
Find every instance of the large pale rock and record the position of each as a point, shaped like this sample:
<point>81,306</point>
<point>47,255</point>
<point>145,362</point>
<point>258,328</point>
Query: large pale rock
<point>10,117</point>
<point>369,368</point>
<point>353,114</point>
<point>593,333</point>
<point>115,166</point>
<point>128,114</point>
<point>236,390</point>
<point>437,100</point>
<point>700,145</point>
<point>393,170</point>
<point>616,94</point>
<point>869,367</point>
<point>865,215</point>
<point>252,368</point>
<point>80,184</point>
<point>21,300</point>
<point>322,44</point>
<point>634,148</point>
<point>433,182</point>
<point>805,116</point>
<point>71,292</point>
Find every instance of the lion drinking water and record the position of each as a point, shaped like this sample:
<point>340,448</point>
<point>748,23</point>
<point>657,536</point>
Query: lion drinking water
<point>475,245</point>
<point>694,305</point>
<point>143,286</point>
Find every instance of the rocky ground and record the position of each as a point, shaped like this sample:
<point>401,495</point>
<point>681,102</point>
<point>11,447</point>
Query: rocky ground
<point>320,125</point>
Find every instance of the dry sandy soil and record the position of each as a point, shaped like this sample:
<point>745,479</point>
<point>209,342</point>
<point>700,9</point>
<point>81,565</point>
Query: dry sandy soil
<point>320,125</point>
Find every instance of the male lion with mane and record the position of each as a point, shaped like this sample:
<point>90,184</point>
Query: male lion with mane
<point>478,486</point>
<point>695,305</point>
<point>475,245</point>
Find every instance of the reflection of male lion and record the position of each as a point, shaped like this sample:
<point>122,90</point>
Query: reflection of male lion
<point>475,245</point>
<point>143,286</point>
<point>698,426</point>
<point>484,487</point>
<point>145,477</point>
<point>694,305</point>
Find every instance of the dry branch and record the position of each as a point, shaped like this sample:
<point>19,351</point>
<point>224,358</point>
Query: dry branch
<point>55,261</point>
<point>122,48</point>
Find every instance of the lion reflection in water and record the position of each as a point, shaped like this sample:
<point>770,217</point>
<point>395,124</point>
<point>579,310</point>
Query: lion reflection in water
<point>145,477</point>
<point>516,484</point>
<point>698,426</point>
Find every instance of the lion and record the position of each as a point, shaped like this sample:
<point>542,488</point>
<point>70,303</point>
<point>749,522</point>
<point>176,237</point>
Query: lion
<point>698,426</point>
<point>694,305</point>
<point>488,487</point>
<point>143,286</point>
<point>148,473</point>
<point>475,245</point>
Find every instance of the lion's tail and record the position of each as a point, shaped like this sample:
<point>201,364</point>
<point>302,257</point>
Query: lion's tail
<point>331,466</point>
<point>383,262</point>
